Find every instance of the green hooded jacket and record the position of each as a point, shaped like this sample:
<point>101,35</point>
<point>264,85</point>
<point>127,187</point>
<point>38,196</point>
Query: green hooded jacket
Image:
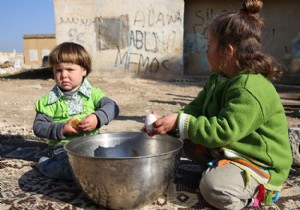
<point>242,114</point>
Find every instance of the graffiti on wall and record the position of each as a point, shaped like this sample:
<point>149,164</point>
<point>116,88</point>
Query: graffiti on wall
<point>146,39</point>
<point>74,33</point>
<point>296,47</point>
<point>295,58</point>
<point>138,48</point>
<point>140,40</point>
<point>195,38</point>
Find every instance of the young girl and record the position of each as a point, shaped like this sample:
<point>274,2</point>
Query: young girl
<point>71,109</point>
<point>236,127</point>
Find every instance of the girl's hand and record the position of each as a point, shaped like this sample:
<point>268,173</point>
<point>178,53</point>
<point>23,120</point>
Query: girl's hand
<point>165,124</point>
<point>150,132</point>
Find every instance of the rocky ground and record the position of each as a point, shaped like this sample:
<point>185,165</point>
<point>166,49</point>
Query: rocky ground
<point>136,98</point>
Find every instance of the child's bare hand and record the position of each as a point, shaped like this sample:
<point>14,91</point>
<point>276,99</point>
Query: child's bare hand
<point>71,127</point>
<point>156,115</point>
<point>150,132</point>
<point>165,124</point>
<point>88,123</point>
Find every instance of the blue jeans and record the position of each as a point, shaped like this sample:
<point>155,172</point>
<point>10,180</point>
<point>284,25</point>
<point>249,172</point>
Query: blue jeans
<point>57,166</point>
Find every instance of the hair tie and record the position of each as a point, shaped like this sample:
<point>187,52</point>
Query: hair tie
<point>242,11</point>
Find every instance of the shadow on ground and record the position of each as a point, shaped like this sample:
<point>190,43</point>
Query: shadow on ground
<point>42,73</point>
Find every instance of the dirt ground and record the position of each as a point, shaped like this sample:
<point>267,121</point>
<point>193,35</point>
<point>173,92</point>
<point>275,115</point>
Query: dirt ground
<point>135,97</point>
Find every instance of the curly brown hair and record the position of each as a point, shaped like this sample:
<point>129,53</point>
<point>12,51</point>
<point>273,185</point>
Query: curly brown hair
<point>243,30</point>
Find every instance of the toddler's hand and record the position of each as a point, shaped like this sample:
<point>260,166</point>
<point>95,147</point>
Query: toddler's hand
<point>71,127</point>
<point>89,123</point>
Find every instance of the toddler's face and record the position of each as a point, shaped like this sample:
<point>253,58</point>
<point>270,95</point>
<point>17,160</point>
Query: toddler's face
<point>68,76</point>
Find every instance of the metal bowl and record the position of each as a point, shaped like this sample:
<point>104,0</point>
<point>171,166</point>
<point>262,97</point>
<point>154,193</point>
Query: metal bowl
<point>124,170</point>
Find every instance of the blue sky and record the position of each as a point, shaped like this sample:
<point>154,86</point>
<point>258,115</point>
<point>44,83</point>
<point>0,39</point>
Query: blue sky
<point>19,17</point>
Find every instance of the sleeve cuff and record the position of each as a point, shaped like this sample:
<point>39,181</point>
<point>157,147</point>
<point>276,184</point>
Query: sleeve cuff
<point>181,128</point>
<point>60,135</point>
<point>102,118</point>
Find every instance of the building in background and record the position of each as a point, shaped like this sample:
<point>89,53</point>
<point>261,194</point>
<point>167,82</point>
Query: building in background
<point>158,39</point>
<point>165,39</point>
<point>281,35</point>
<point>144,40</point>
<point>37,48</point>
<point>11,60</point>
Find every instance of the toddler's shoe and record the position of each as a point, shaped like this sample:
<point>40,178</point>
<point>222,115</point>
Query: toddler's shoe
<point>42,159</point>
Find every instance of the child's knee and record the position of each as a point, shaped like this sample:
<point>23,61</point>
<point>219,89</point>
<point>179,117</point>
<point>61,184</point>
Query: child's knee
<point>218,197</point>
<point>209,189</point>
<point>222,193</point>
<point>56,169</point>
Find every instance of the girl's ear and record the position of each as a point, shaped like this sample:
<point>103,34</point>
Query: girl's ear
<point>230,49</point>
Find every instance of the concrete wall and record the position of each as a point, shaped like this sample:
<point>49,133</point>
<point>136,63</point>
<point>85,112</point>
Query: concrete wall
<point>164,39</point>
<point>197,15</point>
<point>36,47</point>
<point>281,37</point>
<point>132,38</point>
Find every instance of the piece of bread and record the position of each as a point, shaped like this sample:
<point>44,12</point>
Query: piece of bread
<point>75,123</point>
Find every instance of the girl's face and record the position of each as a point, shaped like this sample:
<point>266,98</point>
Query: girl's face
<point>68,76</point>
<point>220,61</point>
<point>212,53</point>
